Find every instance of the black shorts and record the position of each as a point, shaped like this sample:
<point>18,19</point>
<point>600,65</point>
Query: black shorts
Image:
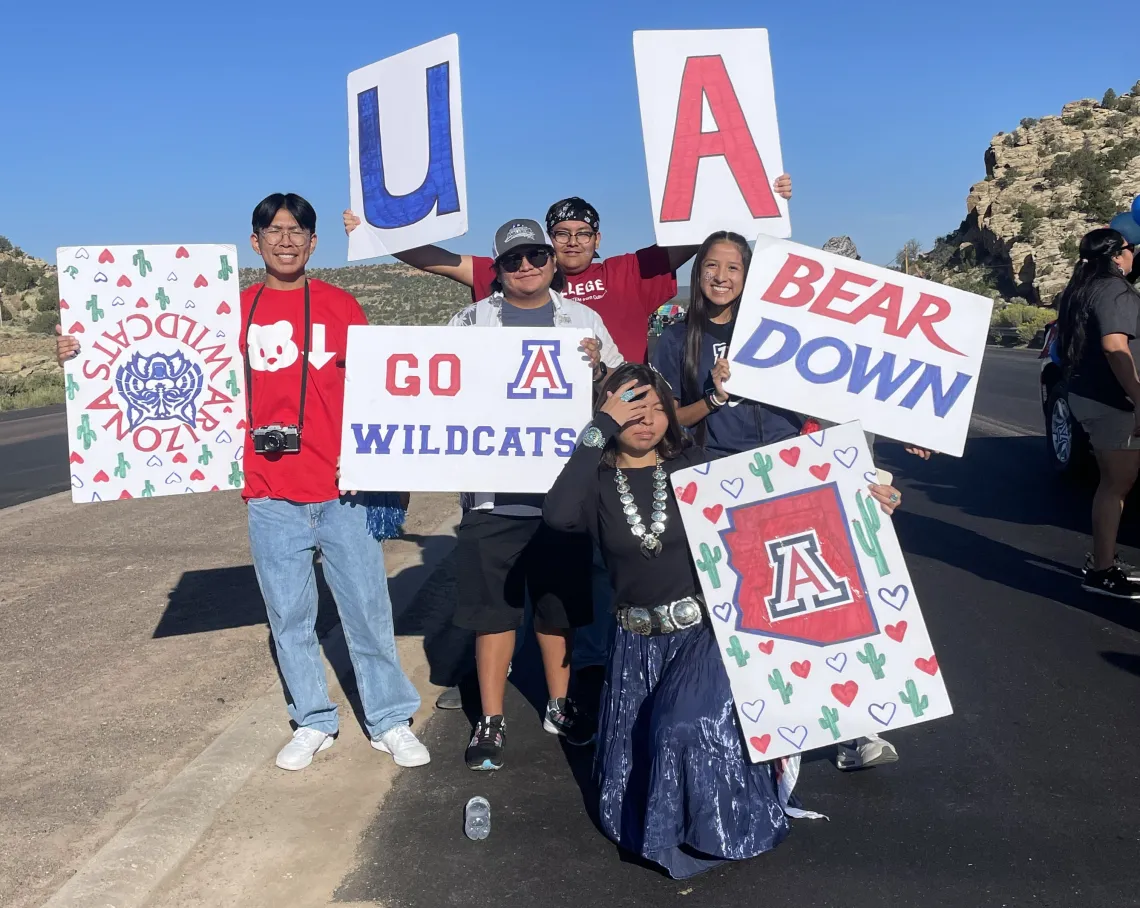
<point>499,559</point>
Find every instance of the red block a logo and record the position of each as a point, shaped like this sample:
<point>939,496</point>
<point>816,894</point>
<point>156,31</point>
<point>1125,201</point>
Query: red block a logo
<point>707,77</point>
<point>799,574</point>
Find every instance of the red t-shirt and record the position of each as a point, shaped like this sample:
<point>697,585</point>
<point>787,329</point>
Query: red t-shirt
<point>274,348</point>
<point>624,290</point>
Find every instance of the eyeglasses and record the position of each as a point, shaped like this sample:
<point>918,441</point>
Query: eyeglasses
<point>1130,247</point>
<point>562,237</point>
<point>512,262</point>
<point>275,234</point>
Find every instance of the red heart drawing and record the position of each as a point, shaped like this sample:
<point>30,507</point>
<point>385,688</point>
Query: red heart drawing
<point>124,281</point>
<point>63,304</point>
<point>930,666</point>
<point>820,472</point>
<point>241,424</point>
<point>801,669</point>
<point>896,631</point>
<point>75,329</point>
<point>124,494</point>
<point>182,253</point>
<point>713,513</point>
<point>766,646</point>
<point>687,494</point>
<point>142,303</point>
<point>228,410</point>
<point>76,458</point>
<point>845,693</point>
<point>224,309</point>
<point>200,281</point>
<point>105,257</point>
<point>213,488</point>
<point>180,458</point>
<point>761,744</point>
<point>101,476</point>
<point>790,456</point>
<point>197,476</point>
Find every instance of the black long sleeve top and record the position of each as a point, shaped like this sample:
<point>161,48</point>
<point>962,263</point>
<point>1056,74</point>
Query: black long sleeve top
<point>585,499</point>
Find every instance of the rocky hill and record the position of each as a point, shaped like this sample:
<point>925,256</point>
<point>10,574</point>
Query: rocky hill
<point>1047,183</point>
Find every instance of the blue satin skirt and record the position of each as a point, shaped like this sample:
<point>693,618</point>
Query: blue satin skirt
<point>674,783</point>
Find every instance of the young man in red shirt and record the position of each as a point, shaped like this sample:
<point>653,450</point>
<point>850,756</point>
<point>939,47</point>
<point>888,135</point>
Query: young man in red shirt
<point>625,290</point>
<point>295,396</point>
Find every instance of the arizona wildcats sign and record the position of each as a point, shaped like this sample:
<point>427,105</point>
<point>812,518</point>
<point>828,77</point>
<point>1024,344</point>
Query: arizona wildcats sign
<point>462,409</point>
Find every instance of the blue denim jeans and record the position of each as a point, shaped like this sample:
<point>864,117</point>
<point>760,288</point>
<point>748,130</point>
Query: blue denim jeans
<point>284,537</point>
<point>592,644</point>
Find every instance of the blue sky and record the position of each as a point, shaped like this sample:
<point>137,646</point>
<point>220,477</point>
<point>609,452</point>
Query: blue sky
<point>167,122</point>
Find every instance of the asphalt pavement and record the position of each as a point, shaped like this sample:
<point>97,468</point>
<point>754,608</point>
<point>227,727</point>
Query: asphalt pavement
<point>33,454</point>
<point>1027,795</point>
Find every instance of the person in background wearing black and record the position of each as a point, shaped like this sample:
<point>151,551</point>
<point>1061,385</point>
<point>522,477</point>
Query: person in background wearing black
<point>1098,338</point>
<point>675,785</point>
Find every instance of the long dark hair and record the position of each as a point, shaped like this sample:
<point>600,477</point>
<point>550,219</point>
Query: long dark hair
<point>674,440</point>
<point>1098,249</point>
<point>697,321</point>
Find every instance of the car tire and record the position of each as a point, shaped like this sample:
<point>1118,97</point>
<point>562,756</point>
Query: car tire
<point>1065,441</point>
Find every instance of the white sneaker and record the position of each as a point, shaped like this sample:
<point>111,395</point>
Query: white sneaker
<point>298,753</point>
<point>404,746</point>
<point>864,753</point>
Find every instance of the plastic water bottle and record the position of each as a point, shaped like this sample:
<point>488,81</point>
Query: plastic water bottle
<point>477,822</point>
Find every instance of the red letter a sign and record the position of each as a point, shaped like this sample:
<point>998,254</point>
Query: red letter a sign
<point>707,77</point>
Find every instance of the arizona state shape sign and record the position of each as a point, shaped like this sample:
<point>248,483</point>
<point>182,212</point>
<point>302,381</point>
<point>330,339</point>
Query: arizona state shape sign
<point>712,145</point>
<point>813,608</point>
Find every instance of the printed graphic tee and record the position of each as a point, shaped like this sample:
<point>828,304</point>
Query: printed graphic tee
<point>274,345</point>
<point>624,290</point>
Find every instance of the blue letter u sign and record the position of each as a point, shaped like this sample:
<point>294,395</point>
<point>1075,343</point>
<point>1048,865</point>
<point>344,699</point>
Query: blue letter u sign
<point>381,208</point>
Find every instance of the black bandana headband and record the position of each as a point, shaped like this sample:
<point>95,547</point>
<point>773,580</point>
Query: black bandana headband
<point>572,209</point>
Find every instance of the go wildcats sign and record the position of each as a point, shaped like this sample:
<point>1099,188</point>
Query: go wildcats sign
<point>462,409</point>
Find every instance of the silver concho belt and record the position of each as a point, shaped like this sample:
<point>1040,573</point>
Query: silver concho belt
<point>661,619</point>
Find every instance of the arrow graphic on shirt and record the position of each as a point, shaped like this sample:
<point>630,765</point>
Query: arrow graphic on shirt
<point>319,356</point>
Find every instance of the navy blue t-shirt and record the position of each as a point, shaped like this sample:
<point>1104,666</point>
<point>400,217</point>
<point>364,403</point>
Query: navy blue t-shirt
<point>739,425</point>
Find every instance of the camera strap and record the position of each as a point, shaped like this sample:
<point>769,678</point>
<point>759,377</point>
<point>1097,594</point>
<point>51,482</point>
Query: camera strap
<point>304,361</point>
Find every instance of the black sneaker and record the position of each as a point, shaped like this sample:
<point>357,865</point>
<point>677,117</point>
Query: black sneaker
<point>485,752</point>
<point>1111,582</point>
<point>1130,570</point>
<point>565,719</point>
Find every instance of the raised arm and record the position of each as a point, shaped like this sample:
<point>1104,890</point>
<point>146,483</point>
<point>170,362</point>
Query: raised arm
<point>431,259</point>
<point>571,505</point>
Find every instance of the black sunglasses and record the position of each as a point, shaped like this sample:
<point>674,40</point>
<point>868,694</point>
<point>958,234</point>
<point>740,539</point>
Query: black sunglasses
<point>512,262</point>
<point>1131,247</point>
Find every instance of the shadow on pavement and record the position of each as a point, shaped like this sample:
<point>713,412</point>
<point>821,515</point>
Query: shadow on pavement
<point>1129,662</point>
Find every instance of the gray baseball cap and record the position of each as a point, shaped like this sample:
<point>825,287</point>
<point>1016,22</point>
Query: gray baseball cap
<point>516,233</point>
<point>842,245</point>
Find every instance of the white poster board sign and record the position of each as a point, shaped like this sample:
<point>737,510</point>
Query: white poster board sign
<point>156,396</point>
<point>712,144</point>
<point>841,339</point>
<point>814,610</point>
<point>408,181</point>
<point>462,409</point>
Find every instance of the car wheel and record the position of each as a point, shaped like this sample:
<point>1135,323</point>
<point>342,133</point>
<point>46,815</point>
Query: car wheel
<point>1064,438</point>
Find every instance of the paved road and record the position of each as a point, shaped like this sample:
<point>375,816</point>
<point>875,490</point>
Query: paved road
<point>33,455</point>
<point>1026,796</point>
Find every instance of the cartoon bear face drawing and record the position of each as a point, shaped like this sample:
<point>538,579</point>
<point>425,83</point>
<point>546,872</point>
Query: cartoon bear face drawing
<point>271,347</point>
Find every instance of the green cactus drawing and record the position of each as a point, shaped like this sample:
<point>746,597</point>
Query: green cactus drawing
<point>872,660</point>
<point>93,308</point>
<point>122,467</point>
<point>708,562</point>
<point>911,698</point>
<point>72,387</point>
<point>762,468</point>
<point>231,383</point>
<point>161,298</point>
<point>71,271</point>
<point>85,433</point>
<point>148,490</point>
<point>776,682</point>
<point>737,652</point>
<point>236,476</point>
<point>868,532</point>
<point>830,722</point>
<point>225,271</point>
<point>141,263</point>
<point>206,456</point>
